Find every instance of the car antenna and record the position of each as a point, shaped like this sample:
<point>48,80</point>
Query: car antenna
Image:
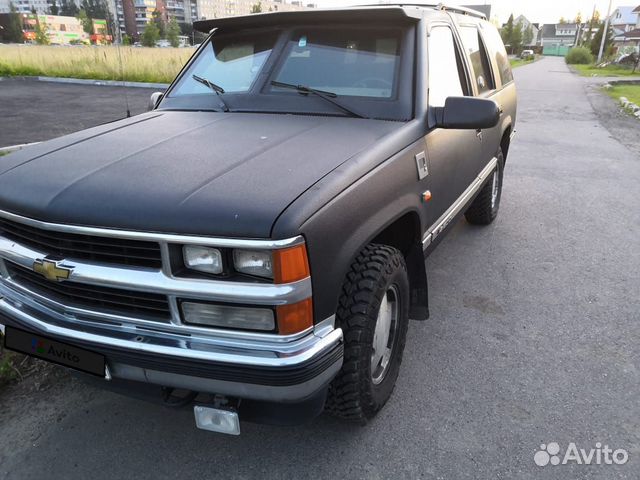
<point>124,86</point>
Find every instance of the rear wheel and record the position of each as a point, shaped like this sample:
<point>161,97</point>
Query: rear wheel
<point>374,314</point>
<point>484,208</point>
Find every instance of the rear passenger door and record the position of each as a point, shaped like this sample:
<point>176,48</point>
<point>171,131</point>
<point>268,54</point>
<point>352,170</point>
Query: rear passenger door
<point>449,152</point>
<point>484,84</point>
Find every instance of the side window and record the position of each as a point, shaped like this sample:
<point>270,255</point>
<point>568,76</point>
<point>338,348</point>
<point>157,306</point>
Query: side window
<point>497,50</point>
<point>479,60</point>
<point>445,75</point>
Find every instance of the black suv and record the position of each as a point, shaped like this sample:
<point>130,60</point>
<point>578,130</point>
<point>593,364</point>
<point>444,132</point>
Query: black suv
<point>255,244</point>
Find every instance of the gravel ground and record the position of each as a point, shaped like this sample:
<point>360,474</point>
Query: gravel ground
<point>533,339</point>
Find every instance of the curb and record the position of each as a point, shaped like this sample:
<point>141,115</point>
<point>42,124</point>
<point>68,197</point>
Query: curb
<point>13,148</point>
<point>105,83</point>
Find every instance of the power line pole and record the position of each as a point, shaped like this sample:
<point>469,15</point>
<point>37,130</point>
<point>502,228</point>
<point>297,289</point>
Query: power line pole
<point>604,33</point>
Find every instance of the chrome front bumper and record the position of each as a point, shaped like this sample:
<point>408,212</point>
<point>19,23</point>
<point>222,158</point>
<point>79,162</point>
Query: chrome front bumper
<point>259,370</point>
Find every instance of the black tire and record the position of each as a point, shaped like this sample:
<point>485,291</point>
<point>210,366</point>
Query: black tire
<point>378,270</point>
<point>483,210</point>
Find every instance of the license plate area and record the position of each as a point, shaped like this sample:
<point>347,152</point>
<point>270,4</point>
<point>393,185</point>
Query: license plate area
<point>54,351</point>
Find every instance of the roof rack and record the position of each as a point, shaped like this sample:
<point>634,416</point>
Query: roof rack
<point>437,6</point>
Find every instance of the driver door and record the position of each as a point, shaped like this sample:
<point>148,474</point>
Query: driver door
<point>450,153</point>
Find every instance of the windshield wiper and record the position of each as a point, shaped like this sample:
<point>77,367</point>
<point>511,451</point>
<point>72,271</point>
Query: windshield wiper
<point>328,96</point>
<point>216,88</point>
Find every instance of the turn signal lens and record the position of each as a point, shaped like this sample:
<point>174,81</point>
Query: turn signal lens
<point>225,316</point>
<point>295,317</point>
<point>290,264</point>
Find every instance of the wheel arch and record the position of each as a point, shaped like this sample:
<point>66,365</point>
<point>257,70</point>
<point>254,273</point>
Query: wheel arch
<point>404,233</point>
<point>505,140</point>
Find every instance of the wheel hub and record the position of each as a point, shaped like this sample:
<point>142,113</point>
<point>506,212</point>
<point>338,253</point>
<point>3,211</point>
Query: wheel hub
<point>495,189</point>
<point>384,335</point>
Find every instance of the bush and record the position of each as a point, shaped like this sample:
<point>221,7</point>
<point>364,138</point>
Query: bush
<point>579,55</point>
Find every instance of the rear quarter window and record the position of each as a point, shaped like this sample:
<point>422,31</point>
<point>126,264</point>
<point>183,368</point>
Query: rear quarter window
<point>496,50</point>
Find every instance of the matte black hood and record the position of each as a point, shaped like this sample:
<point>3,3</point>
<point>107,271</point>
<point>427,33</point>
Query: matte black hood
<point>202,173</point>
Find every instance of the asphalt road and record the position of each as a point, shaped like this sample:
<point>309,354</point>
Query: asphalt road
<point>533,338</point>
<point>33,111</point>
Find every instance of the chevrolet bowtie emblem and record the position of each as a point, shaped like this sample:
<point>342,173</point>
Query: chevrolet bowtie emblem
<point>52,270</point>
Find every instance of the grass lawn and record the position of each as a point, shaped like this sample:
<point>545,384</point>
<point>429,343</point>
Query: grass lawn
<point>518,62</point>
<point>608,71</point>
<point>98,63</point>
<point>631,92</point>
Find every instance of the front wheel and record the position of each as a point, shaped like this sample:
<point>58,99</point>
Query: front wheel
<point>484,208</point>
<point>374,314</point>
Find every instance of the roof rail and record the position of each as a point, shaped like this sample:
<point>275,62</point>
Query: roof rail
<point>438,6</point>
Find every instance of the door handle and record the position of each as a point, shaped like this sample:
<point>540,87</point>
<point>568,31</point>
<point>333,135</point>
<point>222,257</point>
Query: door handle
<point>479,133</point>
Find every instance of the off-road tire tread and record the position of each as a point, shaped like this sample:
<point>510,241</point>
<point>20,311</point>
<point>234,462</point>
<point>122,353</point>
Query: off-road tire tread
<point>348,398</point>
<point>480,211</point>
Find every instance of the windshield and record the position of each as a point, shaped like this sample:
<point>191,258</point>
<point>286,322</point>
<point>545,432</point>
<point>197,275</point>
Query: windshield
<point>356,63</point>
<point>359,68</point>
<point>231,61</point>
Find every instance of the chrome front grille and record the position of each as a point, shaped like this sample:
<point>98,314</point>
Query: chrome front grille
<point>84,247</point>
<point>124,279</point>
<point>97,299</point>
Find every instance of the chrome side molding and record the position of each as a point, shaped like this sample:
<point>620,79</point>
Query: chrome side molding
<point>445,219</point>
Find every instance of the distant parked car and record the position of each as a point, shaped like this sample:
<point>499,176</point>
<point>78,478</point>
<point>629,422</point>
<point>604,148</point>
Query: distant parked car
<point>527,55</point>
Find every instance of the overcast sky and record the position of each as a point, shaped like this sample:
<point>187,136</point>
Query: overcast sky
<point>542,11</point>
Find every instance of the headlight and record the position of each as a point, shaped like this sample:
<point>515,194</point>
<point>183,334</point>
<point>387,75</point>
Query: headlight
<point>210,315</point>
<point>254,262</point>
<point>203,259</point>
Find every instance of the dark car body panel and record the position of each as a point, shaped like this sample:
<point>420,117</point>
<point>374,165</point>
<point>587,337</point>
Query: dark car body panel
<point>203,173</point>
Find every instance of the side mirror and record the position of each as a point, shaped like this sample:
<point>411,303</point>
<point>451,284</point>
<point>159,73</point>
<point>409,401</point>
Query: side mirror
<point>467,113</point>
<point>154,100</point>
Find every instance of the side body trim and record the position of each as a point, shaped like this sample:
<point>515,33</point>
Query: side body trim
<point>438,227</point>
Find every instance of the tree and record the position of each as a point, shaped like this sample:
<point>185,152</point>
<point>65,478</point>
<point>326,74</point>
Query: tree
<point>578,18</point>
<point>150,35</point>
<point>98,9</point>
<point>156,17</point>
<point>53,8</point>
<point>173,32</point>
<point>86,21</point>
<point>126,39</point>
<point>69,8</point>
<point>41,32</point>
<point>527,36</point>
<point>516,38</point>
<point>562,20</point>
<point>256,8</point>
<point>512,35</point>
<point>13,30</point>
<point>597,39</point>
<point>506,32</point>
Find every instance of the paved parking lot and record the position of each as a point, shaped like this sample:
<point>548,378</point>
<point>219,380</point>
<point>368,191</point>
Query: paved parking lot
<point>33,111</point>
<point>533,339</point>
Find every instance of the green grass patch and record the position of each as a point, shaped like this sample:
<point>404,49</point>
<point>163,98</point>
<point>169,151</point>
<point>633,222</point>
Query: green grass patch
<point>608,71</point>
<point>155,65</point>
<point>631,92</point>
<point>8,369</point>
<point>518,62</point>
